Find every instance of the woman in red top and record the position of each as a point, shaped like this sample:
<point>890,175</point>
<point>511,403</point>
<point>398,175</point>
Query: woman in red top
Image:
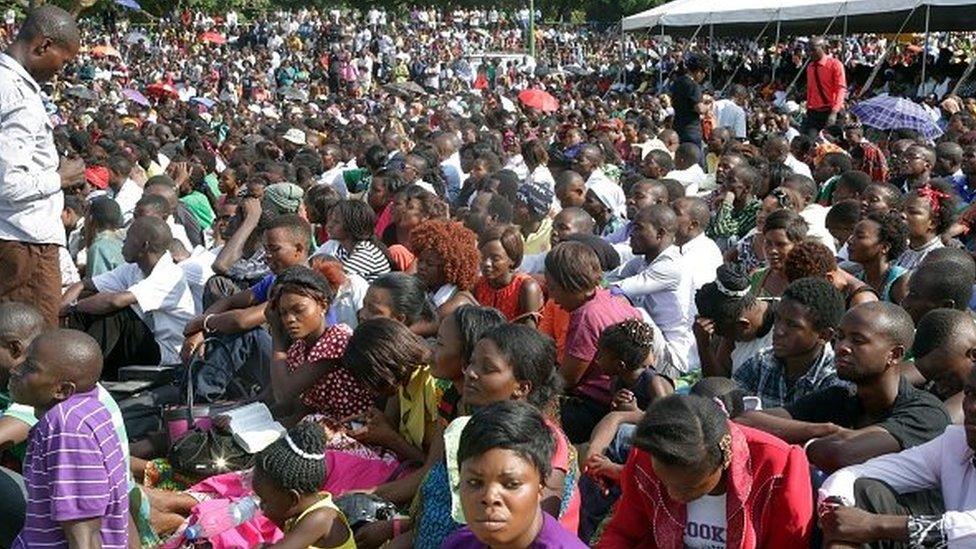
<point>517,295</point>
<point>695,479</point>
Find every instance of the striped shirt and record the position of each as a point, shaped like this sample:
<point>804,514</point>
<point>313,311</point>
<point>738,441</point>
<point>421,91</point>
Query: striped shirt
<point>366,259</point>
<point>75,470</point>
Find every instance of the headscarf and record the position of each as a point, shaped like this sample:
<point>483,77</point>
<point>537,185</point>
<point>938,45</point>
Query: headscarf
<point>609,193</point>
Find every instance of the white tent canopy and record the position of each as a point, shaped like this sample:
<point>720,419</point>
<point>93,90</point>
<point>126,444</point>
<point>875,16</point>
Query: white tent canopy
<point>683,16</point>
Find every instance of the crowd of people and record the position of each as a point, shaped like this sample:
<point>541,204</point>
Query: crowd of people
<point>643,312</point>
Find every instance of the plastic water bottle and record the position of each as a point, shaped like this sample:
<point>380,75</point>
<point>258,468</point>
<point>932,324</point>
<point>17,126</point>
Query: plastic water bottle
<point>223,515</point>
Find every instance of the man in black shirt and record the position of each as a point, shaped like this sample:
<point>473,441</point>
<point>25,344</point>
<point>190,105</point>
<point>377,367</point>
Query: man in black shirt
<point>686,98</point>
<point>883,414</point>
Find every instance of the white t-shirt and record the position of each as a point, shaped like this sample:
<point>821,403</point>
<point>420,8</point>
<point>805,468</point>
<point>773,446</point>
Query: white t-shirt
<point>705,527</point>
<point>198,268</point>
<point>129,193</point>
<point>163,301</point>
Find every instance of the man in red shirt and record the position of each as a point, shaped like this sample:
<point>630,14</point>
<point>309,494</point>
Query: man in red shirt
<point>826,87</point>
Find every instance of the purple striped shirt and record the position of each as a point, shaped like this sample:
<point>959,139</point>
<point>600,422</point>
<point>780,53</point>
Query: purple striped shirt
<point>74,470</point>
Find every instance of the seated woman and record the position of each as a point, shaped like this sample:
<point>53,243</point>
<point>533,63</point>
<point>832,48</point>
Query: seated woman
<point>400,297</point>
<point>412,206</point>
<point>312,369</point>
<point>456,338</point>
<point>385,185</point>
<point>813,259</point>
<point>350,225</point>
<point>878,240</point>
<point>782,230</point>
<point>573,277</point>
<point>447,264</point>
<point>516,294</point>
<point>102,237</point>
<point>511,362</point>
<point>694,477</point>
<point>732,325</point>
<point>391,361</point>
<point>748,252</point>
<point>504,456</point>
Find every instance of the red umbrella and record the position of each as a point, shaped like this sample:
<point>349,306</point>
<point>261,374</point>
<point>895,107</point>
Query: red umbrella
<point>213,38</point>
<point>161,89</point>
<point>538,99</point>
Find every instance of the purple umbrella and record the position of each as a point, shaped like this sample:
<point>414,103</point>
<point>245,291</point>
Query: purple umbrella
<point>885,112</point>
<point>136,97</point>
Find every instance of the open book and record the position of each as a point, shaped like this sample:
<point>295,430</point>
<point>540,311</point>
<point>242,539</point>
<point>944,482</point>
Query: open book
<point>253,427</point>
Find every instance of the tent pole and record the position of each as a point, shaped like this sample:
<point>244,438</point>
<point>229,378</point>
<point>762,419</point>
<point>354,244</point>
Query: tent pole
<point>776,45</point>
<point>711,51</point>
<point>660,71</point>
<point>881,61</point>
<point>925,48</point>
<point>623,55</point>
<point>843,43</point>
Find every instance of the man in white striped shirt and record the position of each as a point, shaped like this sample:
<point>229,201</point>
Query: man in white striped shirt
<point>31,174</point>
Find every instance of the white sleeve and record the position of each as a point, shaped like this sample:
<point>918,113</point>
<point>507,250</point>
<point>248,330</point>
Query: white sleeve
<point>161,289</point>
<point>117,280</point>
<point>21,181</point>
<point>910,470</point>
<point>647,281</point>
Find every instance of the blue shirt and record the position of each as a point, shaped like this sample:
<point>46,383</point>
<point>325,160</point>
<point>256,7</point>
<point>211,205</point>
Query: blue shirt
<point>261,289</point>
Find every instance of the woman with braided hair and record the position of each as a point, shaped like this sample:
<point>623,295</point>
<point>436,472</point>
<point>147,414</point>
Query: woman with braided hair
<point>929,211</point>
<point>288,476</point>
<point>696,479</point>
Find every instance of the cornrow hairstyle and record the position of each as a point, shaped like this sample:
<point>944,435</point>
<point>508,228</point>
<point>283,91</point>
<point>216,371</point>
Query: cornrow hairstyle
<point>472,321</point>
<point>719,306</point>
<point>893,231</point>
<point>823,302</point>
<point>509,425</point>
<point>532,356</point>
<point>301,280</point>
<point>289,470</point>
<point>632,341</point>
<point>384,353</point>
<point>684,431</point>
<point>408,297</point>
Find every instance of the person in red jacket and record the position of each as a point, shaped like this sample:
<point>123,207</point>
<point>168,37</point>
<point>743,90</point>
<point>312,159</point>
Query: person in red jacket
<point>696,480</point>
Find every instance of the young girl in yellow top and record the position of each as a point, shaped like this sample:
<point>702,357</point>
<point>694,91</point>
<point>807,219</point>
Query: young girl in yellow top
<point>288,476</point>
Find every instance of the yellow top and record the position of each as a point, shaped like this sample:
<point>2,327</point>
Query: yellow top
<point>326,503</point>
<point>418,406</point>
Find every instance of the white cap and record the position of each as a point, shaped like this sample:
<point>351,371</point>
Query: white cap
<point>295,136</point>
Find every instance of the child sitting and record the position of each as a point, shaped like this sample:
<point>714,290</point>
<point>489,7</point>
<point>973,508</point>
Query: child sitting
<point>288,476</point>
<point>73,451</point>
<point>504,456</point>
<point>625,353</point>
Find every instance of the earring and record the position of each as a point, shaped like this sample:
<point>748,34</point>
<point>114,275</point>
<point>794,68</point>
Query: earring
<point>726,446</point>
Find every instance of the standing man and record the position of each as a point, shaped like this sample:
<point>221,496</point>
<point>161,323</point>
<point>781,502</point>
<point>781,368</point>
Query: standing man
<point>31,174</point>
<point>826,87</point>
<point>686,97</point>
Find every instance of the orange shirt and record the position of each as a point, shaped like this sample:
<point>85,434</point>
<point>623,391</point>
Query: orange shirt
<point>555,324</point>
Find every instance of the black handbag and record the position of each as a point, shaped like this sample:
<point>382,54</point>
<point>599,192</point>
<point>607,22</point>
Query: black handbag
<point>204,451</point>
<point>362,509</point>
